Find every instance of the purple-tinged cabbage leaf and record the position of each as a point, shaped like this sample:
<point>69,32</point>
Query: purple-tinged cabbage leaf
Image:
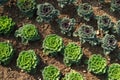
<point>46,12</point>
<point>67,25</point>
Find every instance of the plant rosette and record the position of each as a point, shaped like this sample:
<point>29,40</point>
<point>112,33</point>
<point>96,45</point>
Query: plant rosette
<point>104,23</point>
<point>27,61</point>
<point>72,54</point>
<point>27,33</point>
<point>50,73</point>
<point>85,10</point>
<point>46,12</point>
<point>6,53</point>
<point>63,3</point>
<point>97,64</point>
<point>6,25</point>
<point>73,75</point>
<point>113,72</point>
<point>109,43</point>
<point>67,25</point>
<point>86,33</point>
<point>27,7</point>
<point>52,44</point>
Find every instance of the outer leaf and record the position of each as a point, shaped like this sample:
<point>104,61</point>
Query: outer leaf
<point>72,54</point>
<point>116,29</point>
<point>67,25</point>
<point>46,12</point>
<point>85,10</point>
<point>27,61</point>
<point>27,7</point>
<point>6,53</point>
<point>104,23</point>
<point>52,44</point>
<point>114,72</point>
<point>6,25</point>
<point>86,33</point>
<point>97,64</point>
<point>27,33</point>
<point>62,3</point>
<point>73,75</point>
<point>109,43</point>
<point>51,73</point>
<point>115,5</point>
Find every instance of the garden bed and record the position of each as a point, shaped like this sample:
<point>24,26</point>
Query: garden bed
<point>11,72</point>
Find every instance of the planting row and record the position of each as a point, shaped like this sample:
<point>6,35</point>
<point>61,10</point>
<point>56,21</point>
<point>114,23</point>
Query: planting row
<point>86,33</point>
<point>28,61</point>
<point>46,11</point>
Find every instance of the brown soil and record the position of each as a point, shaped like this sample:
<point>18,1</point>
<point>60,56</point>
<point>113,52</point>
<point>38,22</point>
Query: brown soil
<point>11,72</point>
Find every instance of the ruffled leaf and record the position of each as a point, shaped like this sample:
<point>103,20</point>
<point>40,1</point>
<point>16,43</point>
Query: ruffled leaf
<point>6,53</point>
<point>109,43</point>
<point>72,54</point>
<point>104,23</point>
<point>86,33</point>
<point>51,73</point>
<point>85,10</point>
<point>6,25</point>
<point>27,7</point>
<point>73,75</point>
<point>27,61</point>
<point>52,44</point>
<point>115,5</point>
<point>67,25</point>
<point>113,72</point>
<point>46,12</point>
<point>27,33</point>
<point>97,64</point>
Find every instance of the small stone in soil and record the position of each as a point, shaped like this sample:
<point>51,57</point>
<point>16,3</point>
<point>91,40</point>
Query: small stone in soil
<point>84,71</point>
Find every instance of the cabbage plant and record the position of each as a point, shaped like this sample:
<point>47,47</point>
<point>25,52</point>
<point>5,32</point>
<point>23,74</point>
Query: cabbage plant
<point>63,3</point>
<point>51,73</point>
<point>6,53</point>
<point>52,44</point>
<point>72,54</point>
<point>27,7</point>
<point>67,25</point>
<point>104,23</point>
<point>27,32</point>
<point>113,72</point>
<point>86,33</point>
<point>97,64</point>
<point>115,5</point>
<point>27,61</point>
<point>6,25</point>
<point>73,75</point>
<point>85,10</point>
<point>46,12</point>
<point>109,43</point>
